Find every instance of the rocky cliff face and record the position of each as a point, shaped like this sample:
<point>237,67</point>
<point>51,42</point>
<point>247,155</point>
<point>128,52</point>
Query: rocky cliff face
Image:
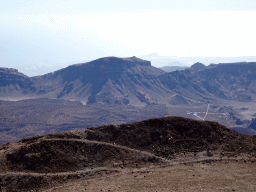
<point>9,76</point>
<point>14,84</point>
<point>236,81</point>
<point>135,82</point>
<point>107,80</point>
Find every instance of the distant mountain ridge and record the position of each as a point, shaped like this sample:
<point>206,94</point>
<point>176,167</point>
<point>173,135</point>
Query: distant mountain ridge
<point>235,81</point>
<point>133,81</point>
<point>105,80</point>
<point>198,66</point>
<point>14,84</point>
<point>10,76</point>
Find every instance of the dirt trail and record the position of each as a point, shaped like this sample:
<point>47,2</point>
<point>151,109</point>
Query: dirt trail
<point>56,174</point>
<point>113,145</point>
<point>153,155</point>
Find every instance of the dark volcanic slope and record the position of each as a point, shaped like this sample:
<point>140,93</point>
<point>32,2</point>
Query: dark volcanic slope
<point>162,137</point>
<point>167,135</point>
<point>75,153</point>
<point>135,82</point>
<point>14,84</point>
<point>235,81</point>
<point>9,76</point>
<point>107,80</point>
<point>117,85</point>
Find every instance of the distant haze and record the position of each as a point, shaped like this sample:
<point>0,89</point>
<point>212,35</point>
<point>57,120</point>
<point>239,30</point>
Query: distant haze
<point>162,61</point>
<point>38,35</point>
<point>157,61</point>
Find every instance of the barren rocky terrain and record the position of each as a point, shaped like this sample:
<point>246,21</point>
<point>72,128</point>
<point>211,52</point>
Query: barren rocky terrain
<point>33,117</point>
<point>133,81</point>
<point>164,154</point>
<point>225,175</point>
<point>120,90</point>
<point>170,153</point>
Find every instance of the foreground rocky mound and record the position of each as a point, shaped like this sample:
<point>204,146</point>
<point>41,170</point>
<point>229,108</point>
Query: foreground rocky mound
<point>38,161</point>
<point>168,135</point>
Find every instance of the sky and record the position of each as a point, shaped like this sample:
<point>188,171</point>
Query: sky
<point>40,34</point>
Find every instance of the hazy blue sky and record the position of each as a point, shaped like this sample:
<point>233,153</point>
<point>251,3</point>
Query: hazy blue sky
<point>51,33</point>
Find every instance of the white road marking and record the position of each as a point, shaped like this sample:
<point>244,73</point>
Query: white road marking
<point>206,113</point>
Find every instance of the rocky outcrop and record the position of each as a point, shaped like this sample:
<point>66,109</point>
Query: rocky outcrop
<point>198,66</point>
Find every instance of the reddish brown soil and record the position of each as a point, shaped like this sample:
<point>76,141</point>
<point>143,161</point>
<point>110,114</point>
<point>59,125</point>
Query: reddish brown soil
<point>98,154</point>
<point>209,177</point>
